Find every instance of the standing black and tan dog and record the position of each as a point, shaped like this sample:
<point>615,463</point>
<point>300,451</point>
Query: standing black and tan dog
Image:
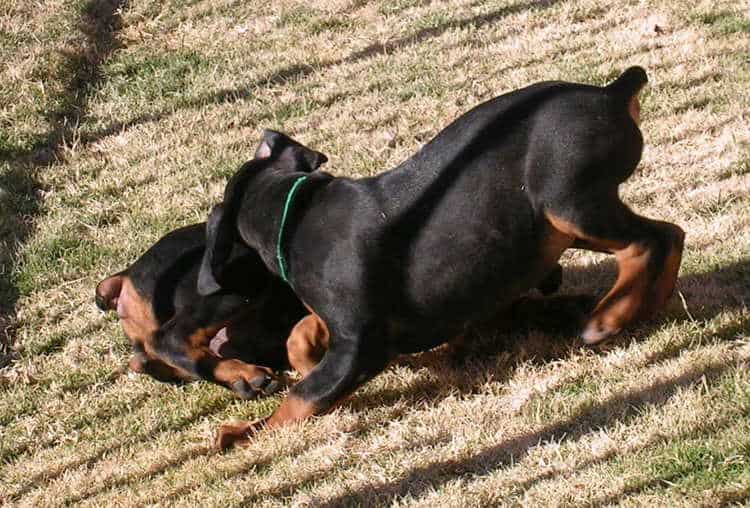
<point>399,262</point>
<point>236,337</point>
<point>239,337</point>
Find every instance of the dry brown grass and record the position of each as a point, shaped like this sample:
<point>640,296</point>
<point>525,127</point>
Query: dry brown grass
<point>176,100</point>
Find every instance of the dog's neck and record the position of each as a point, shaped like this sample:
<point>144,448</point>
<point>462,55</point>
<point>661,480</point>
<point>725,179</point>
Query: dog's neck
<point>263,207</point>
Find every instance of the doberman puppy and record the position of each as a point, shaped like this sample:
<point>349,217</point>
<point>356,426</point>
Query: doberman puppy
<point>398,262</point>
<point>236,337</point>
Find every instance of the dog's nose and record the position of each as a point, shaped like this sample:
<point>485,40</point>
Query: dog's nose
<point>136,364</point>
<point>101,303</point>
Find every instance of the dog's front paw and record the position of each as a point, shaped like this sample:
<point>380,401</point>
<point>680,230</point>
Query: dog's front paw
<point>231,434</point>
<point>265,383</point>
<point>246,380</point>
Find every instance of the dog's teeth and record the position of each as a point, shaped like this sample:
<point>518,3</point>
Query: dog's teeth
<point>259,382</point>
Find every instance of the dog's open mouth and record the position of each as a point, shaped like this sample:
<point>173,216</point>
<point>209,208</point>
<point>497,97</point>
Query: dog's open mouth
<point>224,345</point>
<point>221,345</point>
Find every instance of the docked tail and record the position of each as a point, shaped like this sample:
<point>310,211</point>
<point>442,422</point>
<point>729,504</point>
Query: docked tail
<point>627,86</point>
<point>629,83</point>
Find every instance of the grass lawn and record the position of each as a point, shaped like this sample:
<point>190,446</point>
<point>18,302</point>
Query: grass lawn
<point>122,120</point>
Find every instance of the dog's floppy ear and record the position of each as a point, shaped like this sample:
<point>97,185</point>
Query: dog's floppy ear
<point>108,291</point>
<point>219,239</point>
<point>313,159</point>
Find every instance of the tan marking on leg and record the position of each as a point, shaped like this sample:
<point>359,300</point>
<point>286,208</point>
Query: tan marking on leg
<point>636,294</point>
<point>231,434</point>
<point>307,343</point>
<point>557,238</point>
<point>571,230</point>
<point>292,409</point>
<point>229,370</point>
<point>623,302</point>
<point>555,241</point>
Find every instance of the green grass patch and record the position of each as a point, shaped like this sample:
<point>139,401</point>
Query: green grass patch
<point>141,79</point>
<point>724,22</point>
<point>60,258</point>
<point>696,466</point>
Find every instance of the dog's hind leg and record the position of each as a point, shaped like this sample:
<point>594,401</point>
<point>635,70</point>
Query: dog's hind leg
<point>307,343</point>
<point>648,254</point>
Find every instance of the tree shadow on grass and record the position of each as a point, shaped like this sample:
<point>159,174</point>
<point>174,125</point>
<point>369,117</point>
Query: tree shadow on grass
<point>20,188</point>
<point>285,490</point>
<point>89,459</point>
<point>300,71</point>
<point>620,408</point>
<point>19,203</point>
<point>730,291</point>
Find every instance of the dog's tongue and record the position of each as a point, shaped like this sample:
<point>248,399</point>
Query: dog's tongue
<point>218,341</point>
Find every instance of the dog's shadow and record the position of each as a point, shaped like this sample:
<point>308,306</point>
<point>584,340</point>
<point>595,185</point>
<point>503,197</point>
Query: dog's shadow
<point>537,330</point>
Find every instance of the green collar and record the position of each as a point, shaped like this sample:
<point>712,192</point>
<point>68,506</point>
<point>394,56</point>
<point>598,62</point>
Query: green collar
<point>287,205</point>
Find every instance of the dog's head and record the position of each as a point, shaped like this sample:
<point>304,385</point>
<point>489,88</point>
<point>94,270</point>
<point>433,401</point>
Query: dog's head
<point>161,283</point>
<point>138,321</point>
<point>276,152</point>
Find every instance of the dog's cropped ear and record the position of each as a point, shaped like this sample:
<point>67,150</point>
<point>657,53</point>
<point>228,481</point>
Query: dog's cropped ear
<point>276,143</point>
<point>219,239</point>
<point>270,142</point>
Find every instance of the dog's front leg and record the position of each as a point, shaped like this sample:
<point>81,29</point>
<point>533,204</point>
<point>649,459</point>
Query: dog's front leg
<point>184,345</point>
<point>344,367</point>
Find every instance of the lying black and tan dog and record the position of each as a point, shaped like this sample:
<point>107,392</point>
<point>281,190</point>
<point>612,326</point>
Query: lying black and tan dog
<point>158,292</point>
<point>237,337</point>
<point>399,262</point>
